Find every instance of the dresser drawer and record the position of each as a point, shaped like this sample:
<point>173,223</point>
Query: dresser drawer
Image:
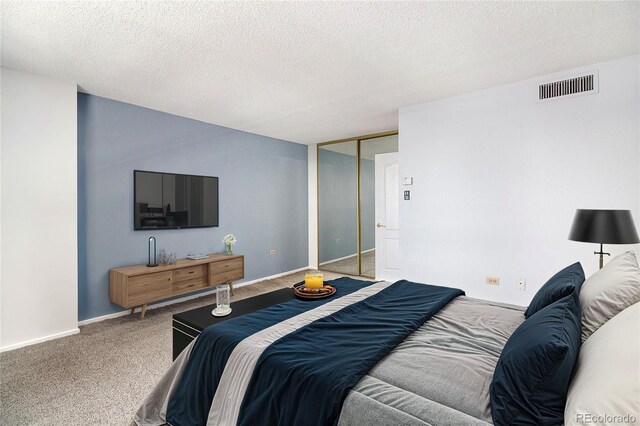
<point>150,287</point>
<point>190,273</point>
<point>223,267</point>
<point>225,277</point>
<point>186,286</point>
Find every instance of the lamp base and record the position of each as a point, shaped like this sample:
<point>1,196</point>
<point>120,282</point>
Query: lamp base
<point>601,253</point>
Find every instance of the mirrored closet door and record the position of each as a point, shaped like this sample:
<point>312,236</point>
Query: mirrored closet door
<point>347,191</point>
<point>338,207</point>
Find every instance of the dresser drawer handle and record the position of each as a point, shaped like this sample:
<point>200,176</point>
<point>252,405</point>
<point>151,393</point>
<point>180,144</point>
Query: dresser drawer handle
<point>191,272</point>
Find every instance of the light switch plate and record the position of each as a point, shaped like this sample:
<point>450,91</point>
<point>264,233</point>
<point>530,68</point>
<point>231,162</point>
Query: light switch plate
<point>407,181</point>
<point>522,284</point>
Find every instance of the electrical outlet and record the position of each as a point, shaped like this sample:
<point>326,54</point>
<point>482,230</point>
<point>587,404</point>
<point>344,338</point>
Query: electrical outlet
<point>522,284</point>
<point>272,252</point>
<point>492,280</point>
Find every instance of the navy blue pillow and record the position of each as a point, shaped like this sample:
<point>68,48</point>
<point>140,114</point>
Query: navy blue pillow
<point>560,285</point>
<point>531,379</point>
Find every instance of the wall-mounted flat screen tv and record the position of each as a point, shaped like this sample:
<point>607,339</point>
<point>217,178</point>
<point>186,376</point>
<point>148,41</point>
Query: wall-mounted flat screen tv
<point>173,201</point>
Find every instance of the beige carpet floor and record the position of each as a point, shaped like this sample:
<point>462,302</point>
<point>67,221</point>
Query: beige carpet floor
<point>102,375</point>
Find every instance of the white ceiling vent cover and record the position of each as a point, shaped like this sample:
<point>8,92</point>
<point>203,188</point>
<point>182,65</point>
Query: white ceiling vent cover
<point>583,85</point>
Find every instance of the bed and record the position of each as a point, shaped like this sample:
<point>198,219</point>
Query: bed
<point>455,352</point>
<point>395,353</point>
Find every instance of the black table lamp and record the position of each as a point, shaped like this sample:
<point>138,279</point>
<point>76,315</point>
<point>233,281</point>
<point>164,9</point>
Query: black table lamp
<point>604,226</point>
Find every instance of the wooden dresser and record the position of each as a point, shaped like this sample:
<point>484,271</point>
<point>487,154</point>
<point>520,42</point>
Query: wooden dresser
<point>140,285</point>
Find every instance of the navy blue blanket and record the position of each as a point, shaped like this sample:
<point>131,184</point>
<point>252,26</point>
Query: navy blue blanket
<point>304,377</point>
<point>191,401</point>
<point>308,373</point>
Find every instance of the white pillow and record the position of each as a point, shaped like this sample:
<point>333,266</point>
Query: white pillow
<point>606,381</point>
<point>609,291</point>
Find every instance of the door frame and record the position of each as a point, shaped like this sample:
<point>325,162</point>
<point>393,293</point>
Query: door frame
<point>383,234</point>
<point>358,140</point>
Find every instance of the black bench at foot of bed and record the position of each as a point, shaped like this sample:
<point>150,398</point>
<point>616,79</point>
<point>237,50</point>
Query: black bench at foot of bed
<point>188,325</point>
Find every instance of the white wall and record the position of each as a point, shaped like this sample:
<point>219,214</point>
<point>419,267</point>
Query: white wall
<point>38,279</point>
<point>313,205</point>
<point>498,177</point>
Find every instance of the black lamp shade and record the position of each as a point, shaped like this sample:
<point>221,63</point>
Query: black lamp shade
<point>604,227</point>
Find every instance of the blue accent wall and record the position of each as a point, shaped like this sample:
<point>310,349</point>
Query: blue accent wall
<point>338,204</point>
<point>263,193</point>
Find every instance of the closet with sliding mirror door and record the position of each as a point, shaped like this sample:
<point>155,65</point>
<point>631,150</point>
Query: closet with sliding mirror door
<point>347,191</point>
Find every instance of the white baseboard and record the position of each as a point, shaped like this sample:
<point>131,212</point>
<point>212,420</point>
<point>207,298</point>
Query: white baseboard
<point>346,257</point>
<point>39,340</point>
<point>184,299</point>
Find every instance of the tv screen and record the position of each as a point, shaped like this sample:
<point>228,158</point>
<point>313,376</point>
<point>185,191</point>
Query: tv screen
<point>172,201</point>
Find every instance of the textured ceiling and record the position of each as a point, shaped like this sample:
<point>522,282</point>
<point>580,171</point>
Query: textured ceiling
<point>307,71</point>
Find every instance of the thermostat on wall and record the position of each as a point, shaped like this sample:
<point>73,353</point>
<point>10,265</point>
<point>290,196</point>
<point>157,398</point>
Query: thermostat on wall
<point>407,181</point>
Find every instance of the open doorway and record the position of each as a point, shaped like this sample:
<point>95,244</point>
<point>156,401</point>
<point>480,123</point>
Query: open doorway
<point>347,192</point>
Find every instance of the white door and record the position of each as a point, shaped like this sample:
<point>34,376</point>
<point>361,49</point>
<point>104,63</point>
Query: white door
<point>387,214</point>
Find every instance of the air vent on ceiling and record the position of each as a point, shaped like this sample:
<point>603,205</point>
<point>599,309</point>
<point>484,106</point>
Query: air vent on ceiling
<point>584,84</point>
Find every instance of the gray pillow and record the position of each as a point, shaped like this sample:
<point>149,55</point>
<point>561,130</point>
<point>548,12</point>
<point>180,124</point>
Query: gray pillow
<point>609,291</point>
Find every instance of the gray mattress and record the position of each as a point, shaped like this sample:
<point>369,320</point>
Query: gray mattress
<point>439,375</point>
